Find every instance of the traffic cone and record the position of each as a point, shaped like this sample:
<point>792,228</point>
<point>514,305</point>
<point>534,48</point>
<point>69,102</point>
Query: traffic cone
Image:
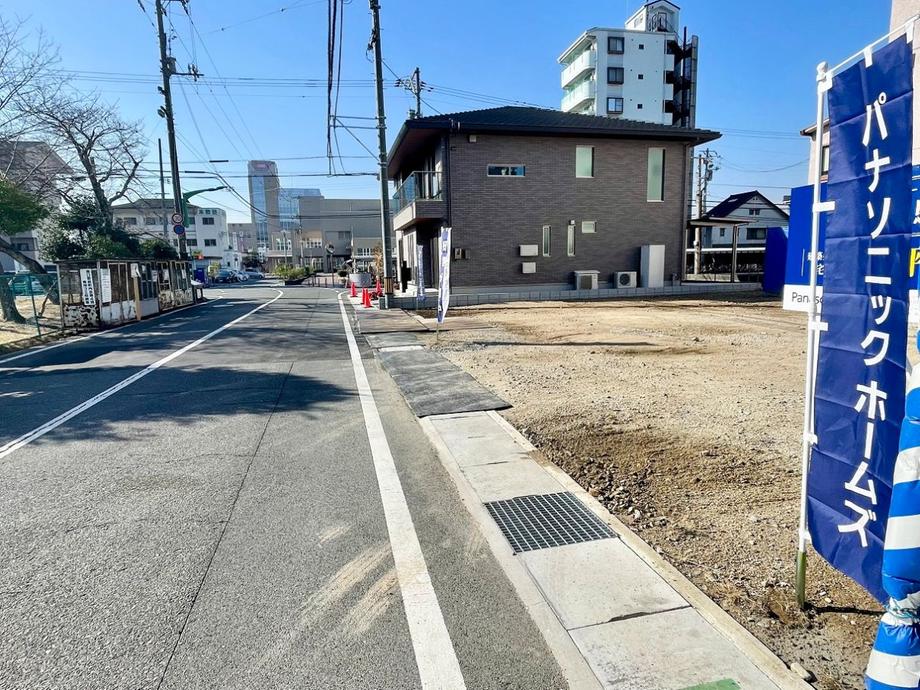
<point>379,289</point>
<point>354,292</point>
<point>366,298</point>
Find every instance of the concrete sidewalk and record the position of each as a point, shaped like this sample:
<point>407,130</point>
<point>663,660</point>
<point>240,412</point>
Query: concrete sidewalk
<point>610,599</point>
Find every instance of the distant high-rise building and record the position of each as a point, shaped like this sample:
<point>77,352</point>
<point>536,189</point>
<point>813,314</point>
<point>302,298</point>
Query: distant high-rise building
<point>645,71</point>
<point>289,205</point>
<point>263,197</point>
<point>273,208</point>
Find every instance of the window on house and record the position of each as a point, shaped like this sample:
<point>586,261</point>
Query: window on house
<point>614,105</point>
<point>641,46</point>
<point>757,233</point>
<point>753,211</point>
<point>150,220</point>
<point>131,220</point>
<point>721,232</point>
<point>641,76</point>
<point>588,226</point>
<point>616,45</point>
<point>191,243</point>
<point>207,221</point>
<point>191,220</point>
<point>584,161</point>
<point>547,239</point>
<point>210,243</point>
<point>638,106</point>
<point>505,171</point>
<point>655,190</point>
<point>825,159</point>
<point>615,75</point>
<point>570,240</point>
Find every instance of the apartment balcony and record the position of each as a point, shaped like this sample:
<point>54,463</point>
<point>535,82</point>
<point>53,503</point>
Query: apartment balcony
<point>578,97</point>
<point>419,197</point>
<point>580,66</point>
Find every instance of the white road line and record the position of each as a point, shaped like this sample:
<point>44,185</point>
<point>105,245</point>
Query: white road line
<point>38,432</point>
<point>434,652</point>
<point>68,341</point>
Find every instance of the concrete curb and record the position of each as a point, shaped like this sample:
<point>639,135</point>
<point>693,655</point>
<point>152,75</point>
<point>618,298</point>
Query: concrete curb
<point>771,665</point>
<point>574,666</point>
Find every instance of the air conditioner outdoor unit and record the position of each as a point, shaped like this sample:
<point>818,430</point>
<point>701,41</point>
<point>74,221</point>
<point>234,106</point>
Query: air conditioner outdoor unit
<point>625,279</point>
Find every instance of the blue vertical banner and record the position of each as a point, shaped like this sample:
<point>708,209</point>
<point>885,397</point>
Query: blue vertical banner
<point>862,343</point>
<point>444,277</point>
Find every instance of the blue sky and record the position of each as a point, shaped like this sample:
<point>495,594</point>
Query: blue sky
<point>756,73</point>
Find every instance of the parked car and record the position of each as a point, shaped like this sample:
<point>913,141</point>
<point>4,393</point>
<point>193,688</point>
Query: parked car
<point>225,275</point>
<point>253,273</point>
<point>240,276</point>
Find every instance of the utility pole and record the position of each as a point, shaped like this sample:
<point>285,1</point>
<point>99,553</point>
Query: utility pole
<point>168,68</point>
<point>706,165</point>
<point>385,220</point>
<point>163,192</point>
<point>417,89</point>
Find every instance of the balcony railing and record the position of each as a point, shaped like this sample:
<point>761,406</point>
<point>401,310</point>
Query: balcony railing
<point>574,97</point>
<point>421,184</point>
<point>584,62</point>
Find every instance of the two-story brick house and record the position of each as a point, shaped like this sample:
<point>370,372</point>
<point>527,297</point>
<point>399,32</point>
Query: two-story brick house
<point>534,195</point>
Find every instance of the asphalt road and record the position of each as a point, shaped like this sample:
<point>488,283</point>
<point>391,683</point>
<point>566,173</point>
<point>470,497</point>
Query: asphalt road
<point>217,523</point>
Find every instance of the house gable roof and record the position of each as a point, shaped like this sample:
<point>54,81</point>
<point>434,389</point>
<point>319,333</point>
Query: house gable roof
<point>520,120</point>
<point>726,208</point>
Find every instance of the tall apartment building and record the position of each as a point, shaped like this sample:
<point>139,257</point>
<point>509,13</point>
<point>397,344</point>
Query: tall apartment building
<point>645,71</point>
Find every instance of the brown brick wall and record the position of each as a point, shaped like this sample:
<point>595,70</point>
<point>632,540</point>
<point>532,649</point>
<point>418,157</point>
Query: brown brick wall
<point>493,216</point>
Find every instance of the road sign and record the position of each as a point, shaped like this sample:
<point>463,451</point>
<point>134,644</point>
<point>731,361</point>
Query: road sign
<point>176,218</point>
<point>179,229</point>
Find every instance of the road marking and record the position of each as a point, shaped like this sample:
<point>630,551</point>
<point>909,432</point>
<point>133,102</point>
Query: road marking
<point>38,432</point>
<point>434,653</point>
<point>68,341</point>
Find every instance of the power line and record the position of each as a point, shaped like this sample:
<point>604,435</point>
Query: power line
<point>227,91</point>
<point>288,8</point>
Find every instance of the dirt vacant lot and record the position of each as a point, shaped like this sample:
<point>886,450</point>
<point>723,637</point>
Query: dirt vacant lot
<point>684,417</point>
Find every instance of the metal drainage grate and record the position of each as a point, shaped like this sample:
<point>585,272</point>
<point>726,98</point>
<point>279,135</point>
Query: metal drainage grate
<point>543,521</point>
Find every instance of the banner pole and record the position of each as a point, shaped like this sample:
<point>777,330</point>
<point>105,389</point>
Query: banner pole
<point>808,433</point>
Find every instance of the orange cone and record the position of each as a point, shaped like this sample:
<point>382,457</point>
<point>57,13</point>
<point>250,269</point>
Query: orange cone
<point>366,298</point>
<point>379,289</point>
<point>354,292</point>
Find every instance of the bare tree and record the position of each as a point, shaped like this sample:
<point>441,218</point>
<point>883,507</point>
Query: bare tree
<point>26,63</point>
<point>92,137</point>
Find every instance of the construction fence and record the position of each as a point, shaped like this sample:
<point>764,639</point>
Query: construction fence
<point>105,293</point>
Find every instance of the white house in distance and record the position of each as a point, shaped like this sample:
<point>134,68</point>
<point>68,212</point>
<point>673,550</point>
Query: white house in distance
<point>207,235</point>
<point>712,245</point>
<point>645,71</point>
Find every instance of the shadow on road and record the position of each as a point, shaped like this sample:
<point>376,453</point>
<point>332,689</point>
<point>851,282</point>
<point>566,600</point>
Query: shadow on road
<point>168,400</point>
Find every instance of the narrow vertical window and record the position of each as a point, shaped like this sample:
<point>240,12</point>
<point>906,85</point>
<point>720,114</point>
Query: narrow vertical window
<point>584,161</point>
<point>655,174</point>
<point>547,239</point>
<point>570,240</point>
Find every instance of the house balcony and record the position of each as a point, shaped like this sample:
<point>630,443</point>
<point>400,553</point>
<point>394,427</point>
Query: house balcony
<point>576,98</point>
<point>420,197</point>
<point>580,66</point>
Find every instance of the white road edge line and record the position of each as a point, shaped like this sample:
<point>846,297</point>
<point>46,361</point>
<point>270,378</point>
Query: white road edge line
<point>434,653</point>
<point>80,338</point>
<point>38,432</point>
